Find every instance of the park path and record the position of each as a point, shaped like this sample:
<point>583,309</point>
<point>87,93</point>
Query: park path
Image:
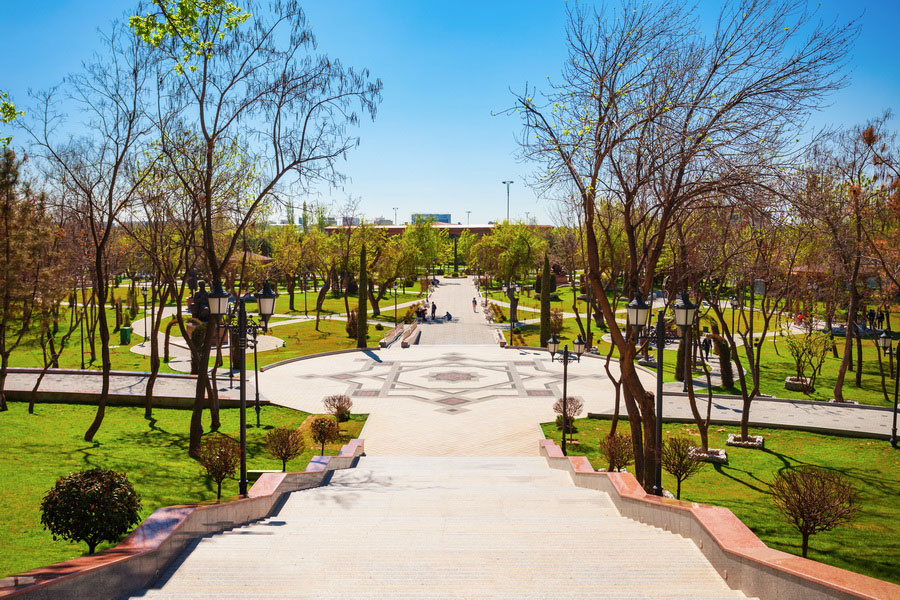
<point>467,326</point>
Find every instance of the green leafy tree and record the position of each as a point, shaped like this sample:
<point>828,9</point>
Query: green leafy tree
<point>93,506</point>
<point>8,114</point>
<point>545,301</point>
<point>183,21</point>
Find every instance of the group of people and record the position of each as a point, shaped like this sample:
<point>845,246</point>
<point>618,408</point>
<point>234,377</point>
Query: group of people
<point>875,318</point>
<point>422,313</point>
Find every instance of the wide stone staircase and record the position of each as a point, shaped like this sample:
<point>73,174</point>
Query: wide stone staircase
<point>444,528</point>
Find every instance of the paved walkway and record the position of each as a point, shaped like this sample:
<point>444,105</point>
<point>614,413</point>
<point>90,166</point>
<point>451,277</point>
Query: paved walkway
<point>400,528</point>
<point>484,400</point>
<point>467,326</point>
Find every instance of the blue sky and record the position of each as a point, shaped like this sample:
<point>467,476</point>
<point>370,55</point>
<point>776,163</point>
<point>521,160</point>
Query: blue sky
<point>435,146</point>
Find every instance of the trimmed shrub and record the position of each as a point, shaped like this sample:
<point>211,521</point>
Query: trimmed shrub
<point>219,456</point>
<point>339,406</point>
<point>351,326</point>
<point>285,444</point>
<point>93,506</point>
<point>379,327</point>
<point>556,321</point>
<point>617,450</point>
<point>324,430</point>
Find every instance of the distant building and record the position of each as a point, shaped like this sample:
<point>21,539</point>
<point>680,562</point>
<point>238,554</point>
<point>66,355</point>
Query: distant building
<point>435,217</point>
<point>382,221</point>
<point>352,221</point>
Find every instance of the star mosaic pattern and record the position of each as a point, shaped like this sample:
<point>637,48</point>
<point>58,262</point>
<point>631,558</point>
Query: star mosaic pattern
<point>451,381</point>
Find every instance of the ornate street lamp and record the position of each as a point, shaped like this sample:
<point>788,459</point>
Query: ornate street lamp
<point>565,358</point>
<point>684,317</point>
<point>239,327</point>
<point>144,293</point>
<point>638,311</point>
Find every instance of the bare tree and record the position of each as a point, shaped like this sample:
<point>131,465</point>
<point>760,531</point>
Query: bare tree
<point>92,172</point>
<point>678,460</point>
<point>249,94</point>
<point>285,444</point>
<point>814,500</point>
<point>651,118</point>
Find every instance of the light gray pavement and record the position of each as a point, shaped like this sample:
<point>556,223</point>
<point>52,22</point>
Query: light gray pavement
<point>429,528</point>
<point>121,383</point>
<point>467,326</point>
<point>443,400</point>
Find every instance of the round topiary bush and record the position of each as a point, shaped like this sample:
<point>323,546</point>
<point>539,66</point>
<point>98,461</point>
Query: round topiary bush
<point>93,506</point>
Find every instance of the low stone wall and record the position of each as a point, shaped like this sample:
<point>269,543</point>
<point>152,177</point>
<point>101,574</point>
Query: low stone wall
<point>140,558</point>
<point>391,336</point>
<point>741,558</point>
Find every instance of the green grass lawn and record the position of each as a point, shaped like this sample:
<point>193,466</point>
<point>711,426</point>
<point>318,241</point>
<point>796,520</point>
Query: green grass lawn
<point>868,545</point>
<point>332,304</point>
<point>40,448</point>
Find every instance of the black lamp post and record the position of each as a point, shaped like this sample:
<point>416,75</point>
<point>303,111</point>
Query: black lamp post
<point>395,302</point>
<point>734,304</point>
<point>684,318</point>
<point>565,358</point>
<point>239,327</point>
<point>511,290</point>
<point>144,294</point>
<point>884,343</point>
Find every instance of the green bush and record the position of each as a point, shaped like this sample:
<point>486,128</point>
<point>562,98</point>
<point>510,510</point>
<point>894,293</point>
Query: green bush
<point>350,327</point>
<point>93,506</point>
<point>379,327</point>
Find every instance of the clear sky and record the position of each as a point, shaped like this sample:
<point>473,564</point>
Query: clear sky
<point>435,146</point>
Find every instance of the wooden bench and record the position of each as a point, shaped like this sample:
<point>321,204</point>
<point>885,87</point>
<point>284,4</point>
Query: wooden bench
<point>391,336</point>
<point>411,336</point>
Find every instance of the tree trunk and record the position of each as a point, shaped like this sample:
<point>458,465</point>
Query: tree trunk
<point>848,341</point>
<point>104,349</point>
<point>4,366</point>
<point>859,358</point>
<point>805,547</point>
<point>291,282</point>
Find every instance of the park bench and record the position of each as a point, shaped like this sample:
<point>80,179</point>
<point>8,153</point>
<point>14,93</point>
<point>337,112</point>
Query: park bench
<point>391,336</point>
<point>411,336</point>
<point>501,339</point>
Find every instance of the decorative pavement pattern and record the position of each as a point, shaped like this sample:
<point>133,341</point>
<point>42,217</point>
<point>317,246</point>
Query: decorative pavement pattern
<point>450,382</point>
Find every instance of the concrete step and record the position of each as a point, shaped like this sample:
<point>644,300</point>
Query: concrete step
<point>445,528</point>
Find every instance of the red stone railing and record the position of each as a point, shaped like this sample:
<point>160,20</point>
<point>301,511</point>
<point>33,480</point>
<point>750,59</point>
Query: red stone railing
<point>741,558</point>
<point>140,558</point>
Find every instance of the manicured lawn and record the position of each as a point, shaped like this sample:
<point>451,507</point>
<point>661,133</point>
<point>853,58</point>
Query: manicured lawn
<point>868,545</point>
<point>40,448</point>
<point>332,304</point>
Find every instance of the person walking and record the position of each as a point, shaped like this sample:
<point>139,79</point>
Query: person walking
<point>474,305</point>
<point>706,345</point>
<point>433,310</point>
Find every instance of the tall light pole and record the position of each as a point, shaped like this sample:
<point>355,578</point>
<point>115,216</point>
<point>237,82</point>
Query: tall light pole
<point>565,359</point>
<point>507,184</point>
<point>468,213</point>
<point>526,217</point>
<point>395,216</point>
<point>638,311</point>
<point>240,326</point>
